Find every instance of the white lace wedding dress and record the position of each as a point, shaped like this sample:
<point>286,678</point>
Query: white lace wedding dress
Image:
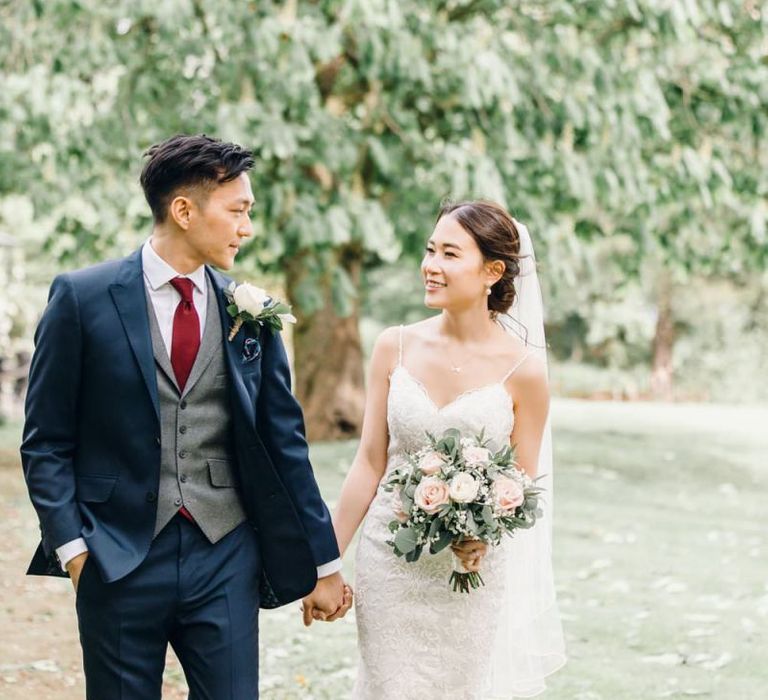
<point>418,639</point>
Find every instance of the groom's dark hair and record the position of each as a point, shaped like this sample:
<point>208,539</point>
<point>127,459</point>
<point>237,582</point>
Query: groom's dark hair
<point>197,162</point>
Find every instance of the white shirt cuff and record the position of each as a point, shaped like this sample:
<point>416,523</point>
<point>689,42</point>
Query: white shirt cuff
<point>68,551</point>
<point>329,568</point>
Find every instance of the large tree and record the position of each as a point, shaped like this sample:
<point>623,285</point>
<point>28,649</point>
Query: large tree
<point>637,148</point>
<point>623,133</point>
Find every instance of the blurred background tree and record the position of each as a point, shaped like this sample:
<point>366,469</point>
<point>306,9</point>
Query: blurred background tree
<point>629,136</point>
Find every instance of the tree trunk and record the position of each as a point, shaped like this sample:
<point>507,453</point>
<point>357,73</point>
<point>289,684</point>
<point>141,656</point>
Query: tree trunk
<point>663,343</point>
<point>328,359</point>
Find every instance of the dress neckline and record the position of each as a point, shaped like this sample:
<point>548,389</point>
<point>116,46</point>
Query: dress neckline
<point>457,398</point>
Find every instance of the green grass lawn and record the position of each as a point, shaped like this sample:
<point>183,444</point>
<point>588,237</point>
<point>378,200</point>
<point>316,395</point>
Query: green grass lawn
<point>660,559</point>
<point>660,549</point>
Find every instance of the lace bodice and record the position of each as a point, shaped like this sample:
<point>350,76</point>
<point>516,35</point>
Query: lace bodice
<point>411,412</point>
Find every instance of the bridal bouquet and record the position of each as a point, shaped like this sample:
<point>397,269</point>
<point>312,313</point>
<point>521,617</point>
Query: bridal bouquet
<point>454,489</point>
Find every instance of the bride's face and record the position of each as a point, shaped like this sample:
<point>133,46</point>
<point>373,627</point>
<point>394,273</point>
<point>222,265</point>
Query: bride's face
<point>454,272</point>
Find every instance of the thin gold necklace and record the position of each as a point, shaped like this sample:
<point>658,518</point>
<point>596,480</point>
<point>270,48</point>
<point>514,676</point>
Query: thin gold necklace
<point>454,367</point>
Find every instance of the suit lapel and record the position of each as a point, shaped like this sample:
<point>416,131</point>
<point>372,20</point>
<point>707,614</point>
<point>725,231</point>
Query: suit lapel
<point>158,346</point>
<point>233,350</point>
<point>129,296</point>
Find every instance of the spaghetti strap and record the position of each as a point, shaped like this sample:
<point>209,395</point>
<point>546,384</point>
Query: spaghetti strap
<point>511,372</point>
<point>400,348</point>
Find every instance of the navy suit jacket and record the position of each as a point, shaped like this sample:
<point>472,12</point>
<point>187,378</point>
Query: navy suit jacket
<point>91,443</point>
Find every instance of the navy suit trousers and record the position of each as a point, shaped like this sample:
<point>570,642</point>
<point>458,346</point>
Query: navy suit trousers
<point>202,598</point>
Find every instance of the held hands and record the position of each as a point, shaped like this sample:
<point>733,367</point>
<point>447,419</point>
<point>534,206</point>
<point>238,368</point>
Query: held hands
<point>331,599</point>
<point>75,568</point>
<point>471,553</point>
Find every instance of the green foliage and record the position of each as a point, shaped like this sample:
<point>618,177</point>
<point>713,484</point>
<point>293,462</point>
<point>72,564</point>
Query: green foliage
<point>629,136</point>
<point>641,120</point>
<point>405,541</point>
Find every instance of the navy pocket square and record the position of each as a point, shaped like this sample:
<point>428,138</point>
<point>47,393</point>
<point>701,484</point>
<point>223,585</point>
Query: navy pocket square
<point>251,349</point>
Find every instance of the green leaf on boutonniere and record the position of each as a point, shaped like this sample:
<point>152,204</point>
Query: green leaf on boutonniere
<point>281,308</point>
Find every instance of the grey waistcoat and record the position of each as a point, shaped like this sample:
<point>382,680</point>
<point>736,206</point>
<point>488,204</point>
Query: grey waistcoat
<point>197,467</point>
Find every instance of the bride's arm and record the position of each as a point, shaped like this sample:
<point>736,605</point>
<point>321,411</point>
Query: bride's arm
<point>531,393</point>
<point>371,458</point>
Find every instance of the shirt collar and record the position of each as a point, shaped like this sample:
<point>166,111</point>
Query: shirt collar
<point>158,272</point>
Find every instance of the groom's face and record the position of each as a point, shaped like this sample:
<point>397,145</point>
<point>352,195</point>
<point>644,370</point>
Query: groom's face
<point>221,222</point>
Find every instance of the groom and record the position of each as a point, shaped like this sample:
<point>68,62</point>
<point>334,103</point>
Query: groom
<point>168,465</point>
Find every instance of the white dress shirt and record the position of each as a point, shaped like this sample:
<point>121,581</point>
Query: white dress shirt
<point>165,299</point>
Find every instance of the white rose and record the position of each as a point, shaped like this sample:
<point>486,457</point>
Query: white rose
<point>463,488</point>
<point>475,456</point>
<point>249,298</point>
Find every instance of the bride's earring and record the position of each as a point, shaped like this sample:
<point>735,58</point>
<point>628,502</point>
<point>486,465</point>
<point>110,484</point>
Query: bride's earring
<point>488,291</point>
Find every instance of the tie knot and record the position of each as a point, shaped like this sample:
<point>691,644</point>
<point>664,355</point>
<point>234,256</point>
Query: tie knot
<point>183,285</point>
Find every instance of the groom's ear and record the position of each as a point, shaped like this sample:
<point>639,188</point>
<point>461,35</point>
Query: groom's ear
<point>180,210</point>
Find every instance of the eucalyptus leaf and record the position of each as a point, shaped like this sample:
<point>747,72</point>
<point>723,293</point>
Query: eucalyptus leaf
<point>405,540</point>
<point>443,541</point>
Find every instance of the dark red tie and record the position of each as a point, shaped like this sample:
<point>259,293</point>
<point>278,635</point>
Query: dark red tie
<point>186,332</point>
<point>185,341</point>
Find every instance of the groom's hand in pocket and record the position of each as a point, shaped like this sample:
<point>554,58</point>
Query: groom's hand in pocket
<point>326,600</point>
<point>75,568</point>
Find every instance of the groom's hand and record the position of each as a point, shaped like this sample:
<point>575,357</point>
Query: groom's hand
<point>75,568</point>
<point>343,610</point>
<point>326,601</point>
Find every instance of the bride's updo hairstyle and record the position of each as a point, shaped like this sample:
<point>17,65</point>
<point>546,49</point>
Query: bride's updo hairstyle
<point>497,237</point>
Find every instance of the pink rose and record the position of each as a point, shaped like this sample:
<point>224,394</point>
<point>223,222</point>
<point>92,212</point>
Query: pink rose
<point>507,493</point>
<point>474,456</point>
<point>431,463</point>
<point>397,506</point>
<point>431,493</point>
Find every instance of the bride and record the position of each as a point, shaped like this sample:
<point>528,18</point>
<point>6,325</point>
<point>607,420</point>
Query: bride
<point>480,364</point>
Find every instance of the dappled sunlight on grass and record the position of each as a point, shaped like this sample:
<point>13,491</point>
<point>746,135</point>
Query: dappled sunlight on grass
<point>660,548</point>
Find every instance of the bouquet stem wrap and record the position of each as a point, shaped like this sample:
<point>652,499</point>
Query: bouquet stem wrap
<point>462,580</point>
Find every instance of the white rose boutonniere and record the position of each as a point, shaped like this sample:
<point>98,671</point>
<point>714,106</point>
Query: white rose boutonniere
<point>249,304</point>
